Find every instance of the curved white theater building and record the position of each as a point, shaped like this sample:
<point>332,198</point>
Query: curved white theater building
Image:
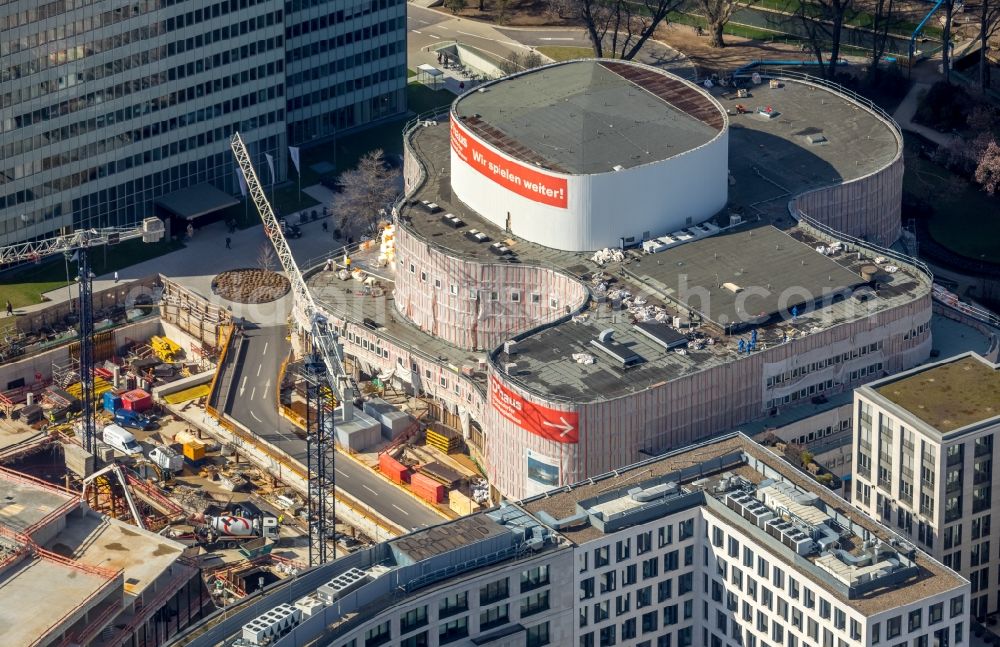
<point>583,156</point>
<point>557,368</point>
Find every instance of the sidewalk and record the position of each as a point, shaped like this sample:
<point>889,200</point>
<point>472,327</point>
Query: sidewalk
<point>908,108</point>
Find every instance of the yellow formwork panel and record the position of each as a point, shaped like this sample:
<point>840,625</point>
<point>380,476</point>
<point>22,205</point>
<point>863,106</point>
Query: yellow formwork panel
<point>194,392</point>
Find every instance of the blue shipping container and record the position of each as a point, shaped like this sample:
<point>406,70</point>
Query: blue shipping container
<point>112,401</point>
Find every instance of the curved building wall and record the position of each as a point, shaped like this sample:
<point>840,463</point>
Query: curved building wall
<point>524,457</point>
<point>473,305</point>
<point>866,208</point>
<point>588,212</point>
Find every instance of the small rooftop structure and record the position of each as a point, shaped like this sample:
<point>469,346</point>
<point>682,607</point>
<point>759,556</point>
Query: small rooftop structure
<point>949,395</point>
<point>591,116</point>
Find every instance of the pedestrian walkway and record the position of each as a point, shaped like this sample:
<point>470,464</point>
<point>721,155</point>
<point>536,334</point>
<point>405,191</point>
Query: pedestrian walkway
<point>908,109</point>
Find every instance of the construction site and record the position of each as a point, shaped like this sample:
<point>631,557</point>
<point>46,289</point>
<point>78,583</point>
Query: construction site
<point>136,480</point>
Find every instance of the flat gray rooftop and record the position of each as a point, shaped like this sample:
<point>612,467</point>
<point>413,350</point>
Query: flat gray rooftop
<point>745,274</point>
<point>586,117</point>
<point>108,543</point>
<point>37,594</point>
<point>23,504</point>
<point>771,158</point>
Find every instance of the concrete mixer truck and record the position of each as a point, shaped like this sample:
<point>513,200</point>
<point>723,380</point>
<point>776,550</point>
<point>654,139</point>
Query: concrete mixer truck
<point>231,530</point>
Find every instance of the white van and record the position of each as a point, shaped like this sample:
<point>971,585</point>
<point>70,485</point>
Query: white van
<point>120,439</point>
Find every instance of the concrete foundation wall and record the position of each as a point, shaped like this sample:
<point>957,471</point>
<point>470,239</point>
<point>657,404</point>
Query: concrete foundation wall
<point>37,366</point>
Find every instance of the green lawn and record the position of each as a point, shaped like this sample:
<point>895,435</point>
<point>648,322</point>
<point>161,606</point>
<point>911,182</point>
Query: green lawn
<point>964,217</point>
<point>25,286</point>
<point>565,53</point>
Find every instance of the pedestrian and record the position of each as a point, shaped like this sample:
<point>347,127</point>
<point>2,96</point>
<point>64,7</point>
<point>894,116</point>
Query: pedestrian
<point>229,242</point>
<point>461,85</point>
<point>116,277</point>
<point>325,228</point>
<point>10,308</point>
<point>281,519</point>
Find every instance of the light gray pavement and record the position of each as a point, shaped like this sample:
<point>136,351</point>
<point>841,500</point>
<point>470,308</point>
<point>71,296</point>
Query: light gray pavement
<point>908,108</point>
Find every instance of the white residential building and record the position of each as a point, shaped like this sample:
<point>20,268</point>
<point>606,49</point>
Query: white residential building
<point>926,443</point>
<point>719,544</point>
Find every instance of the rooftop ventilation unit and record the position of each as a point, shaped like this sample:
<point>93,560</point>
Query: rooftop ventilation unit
<point>816,138</point>
<point>343,583</point>
<point>510,347</point>
<point>620,352</point>
<point>662,334</point>
<point>271,623</point>
<point>653,493</point>
<point>308,605</point>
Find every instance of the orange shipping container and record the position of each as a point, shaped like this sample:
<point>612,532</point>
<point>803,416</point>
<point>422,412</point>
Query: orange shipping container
<point>396,471</point>
<point>427,488</point>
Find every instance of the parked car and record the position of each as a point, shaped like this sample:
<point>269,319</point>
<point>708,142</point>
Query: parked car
<point>135,420</point>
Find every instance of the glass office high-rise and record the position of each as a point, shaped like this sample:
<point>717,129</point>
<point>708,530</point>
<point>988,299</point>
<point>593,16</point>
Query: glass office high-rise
<point>106,105</point>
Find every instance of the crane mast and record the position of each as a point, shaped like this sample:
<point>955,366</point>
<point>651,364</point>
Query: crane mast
<point>323,371</point>
<point>79,243</point>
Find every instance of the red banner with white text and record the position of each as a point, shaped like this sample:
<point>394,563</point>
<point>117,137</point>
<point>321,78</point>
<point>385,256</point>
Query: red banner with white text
<point>522,180</point>
<point>552,424</point>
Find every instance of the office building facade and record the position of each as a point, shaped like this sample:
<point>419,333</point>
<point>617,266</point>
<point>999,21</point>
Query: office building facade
<point>925,443</point>
<point>721,544</point>
<point>107,105</point>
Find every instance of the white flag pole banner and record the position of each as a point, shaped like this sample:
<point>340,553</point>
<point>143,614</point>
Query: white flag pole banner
<point>242,181</point>
<point>270,165</point>
<point>293,152</point>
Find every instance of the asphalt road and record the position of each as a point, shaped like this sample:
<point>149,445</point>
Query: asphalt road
<point>427,27</point>
<point>253,403</point>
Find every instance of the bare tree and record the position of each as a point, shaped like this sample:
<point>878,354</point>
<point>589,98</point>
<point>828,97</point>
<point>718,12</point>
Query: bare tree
<point>989,23</point>
<point>267,260</point>
<point>367,191</point>
<point>520,61</point>
<point>562,8</point>
<point>503,11</point>
<point>823,22</point>
<point>717,13</point>
<point>620,28</point>
<point>882,21</point>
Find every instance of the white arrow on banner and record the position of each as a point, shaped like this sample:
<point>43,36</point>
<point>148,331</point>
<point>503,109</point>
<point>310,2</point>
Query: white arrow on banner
<point>565,426</point>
